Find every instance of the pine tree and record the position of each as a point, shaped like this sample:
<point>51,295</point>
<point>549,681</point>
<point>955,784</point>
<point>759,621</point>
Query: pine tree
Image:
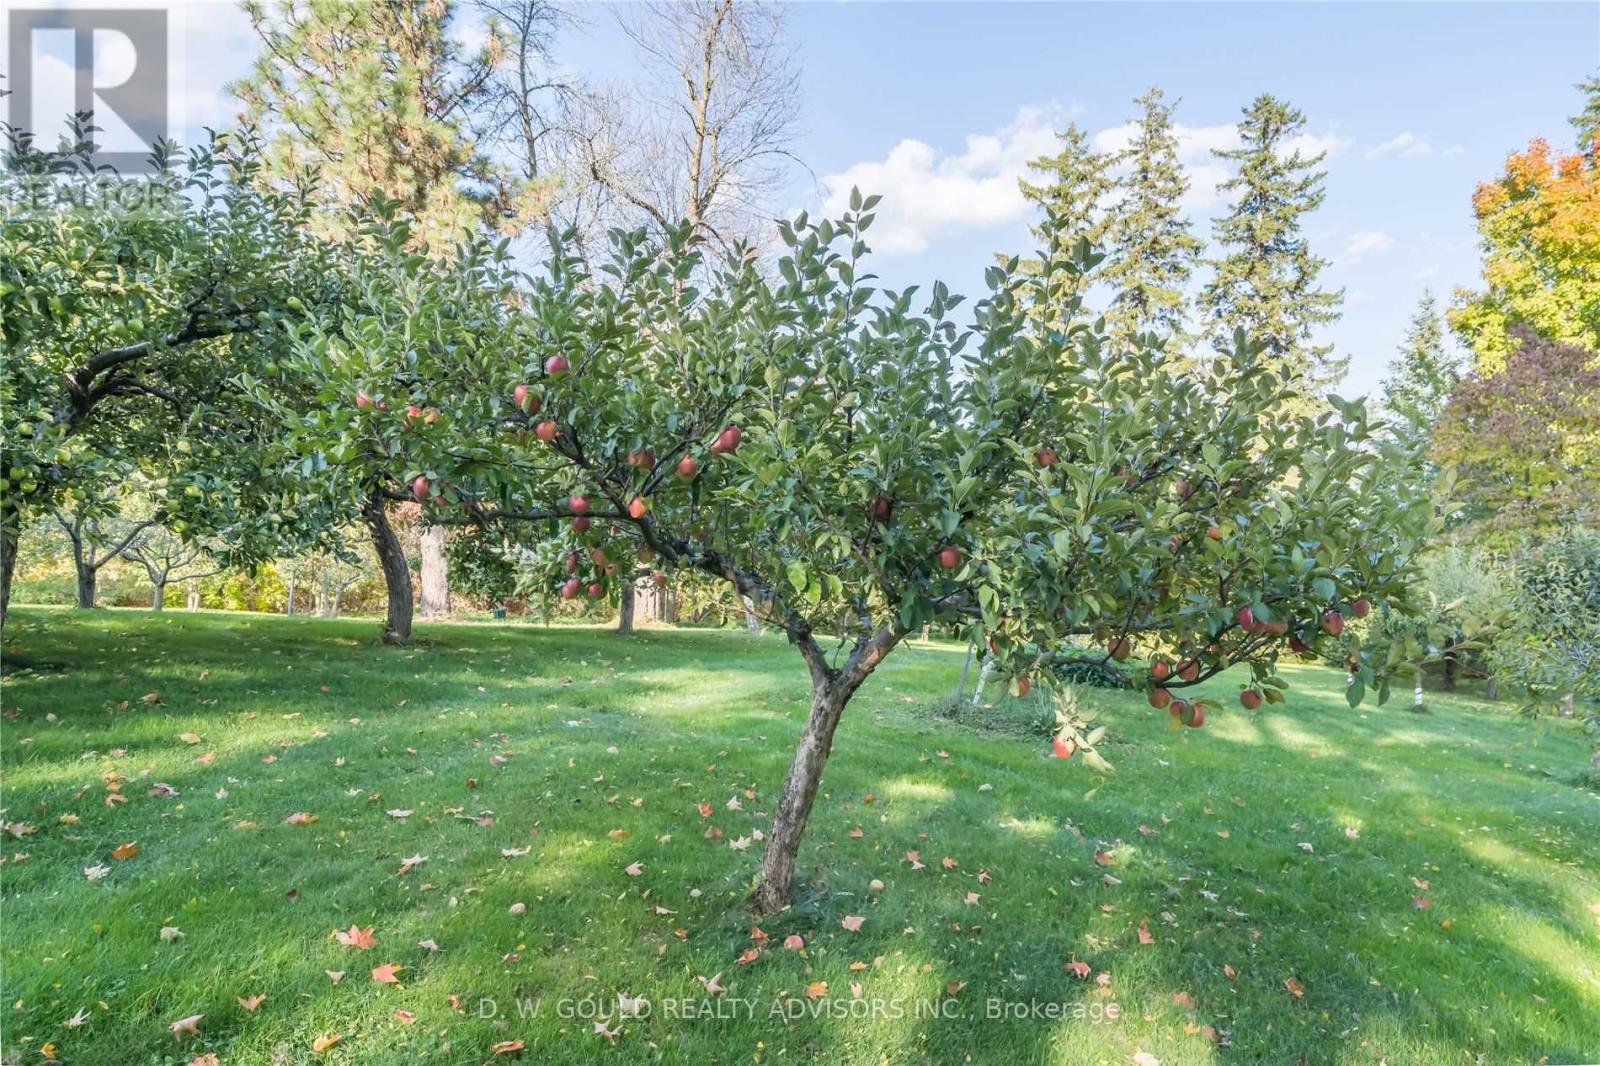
<point>1587,121</point>
<point>1073,199</point>
<point>1151,252</point>
<point>1266,279</point>
<point>373,99</point>
<point>1422,376</point>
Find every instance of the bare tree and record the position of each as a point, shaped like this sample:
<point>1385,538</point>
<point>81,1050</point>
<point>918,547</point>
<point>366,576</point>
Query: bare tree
<point>167,557</point>
<point>96,540</point>
<point>704,137</point>
<point>525,105</point>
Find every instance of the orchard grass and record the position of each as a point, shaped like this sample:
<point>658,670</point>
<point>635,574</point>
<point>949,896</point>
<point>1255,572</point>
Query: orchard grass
<point>1380,885</point>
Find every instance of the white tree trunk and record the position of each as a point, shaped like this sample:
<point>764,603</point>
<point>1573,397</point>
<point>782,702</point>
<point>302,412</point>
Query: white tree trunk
<point>983,680</point>
<point>435,574</point>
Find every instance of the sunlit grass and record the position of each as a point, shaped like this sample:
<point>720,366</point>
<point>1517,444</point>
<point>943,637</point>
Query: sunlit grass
<point>1429,883</point>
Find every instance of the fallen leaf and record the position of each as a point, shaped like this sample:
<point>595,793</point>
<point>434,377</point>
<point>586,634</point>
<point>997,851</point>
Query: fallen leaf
<point>125,851</point>
<point>208,1059</point>
<point>1144,1058</point>
<point>171,932</point>
<point>713,984</point>
<point>916,861</point>
<point>507,1047</point>
<point>186,1026</point>
<point>1144,932</point>
<point>250,1003</point>
<point>1079,968</point>
<point>1104,858</point>
<point>953,988</point>
<point>750,955</point>
<point>356,937</point>
<point>1229,972</point>
<point>633,869</point>
<point>96,872</point>
<point>300,818</point>
<point>398,813</point>
<point>324,1042</point>
<point>335,975</point>
<point>428,944</point>
<point>949,863</point>
<point>405,1017</point>
<point>1183,999</point>
<point>816,989</point>
<point>852,923</point>
<point>385,974</point>
<point>1296,989</point>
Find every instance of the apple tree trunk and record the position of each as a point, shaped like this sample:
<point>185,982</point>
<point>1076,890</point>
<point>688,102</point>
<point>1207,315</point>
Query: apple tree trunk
<point>192,598</point>
<point>1491,688</point>
<point>158,597</point>
<point>1449,671</point>
<point>87,578</point>
<point>830,693</point>
<point>435,573</point>
<point>751,622</point>
<point>10,530</point>
<point>396,574</point>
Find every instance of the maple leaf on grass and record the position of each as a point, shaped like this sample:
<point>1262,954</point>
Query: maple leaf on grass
<point>816,989</point>
<point>324,1042</point>
<point>189,1026</point>
<point>852,923</point>
<point>250,1003</point>
<point>300,818</point>
<point>1144,932</point>
<point>125,851</point>
<point>405,1017</point>
<point>507,1047</point>
<point>633,869</point>
<point>794,942</point>
<point>1079,969</point>
<point>356,937</point>
<point>1296,989</point>
<point>386,974</point>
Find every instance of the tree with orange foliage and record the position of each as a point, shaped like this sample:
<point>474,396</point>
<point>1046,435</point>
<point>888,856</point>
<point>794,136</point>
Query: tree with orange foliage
<point>1540,229</point>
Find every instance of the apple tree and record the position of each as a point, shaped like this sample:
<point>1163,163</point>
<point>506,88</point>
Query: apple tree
<point>128,308</point>
<point>856,462</point>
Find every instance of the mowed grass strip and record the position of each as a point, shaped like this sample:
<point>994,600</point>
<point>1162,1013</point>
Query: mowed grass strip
<point>1311,881</point>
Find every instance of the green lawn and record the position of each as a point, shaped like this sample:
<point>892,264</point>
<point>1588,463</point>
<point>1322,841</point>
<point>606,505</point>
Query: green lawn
<point>1319,884</point>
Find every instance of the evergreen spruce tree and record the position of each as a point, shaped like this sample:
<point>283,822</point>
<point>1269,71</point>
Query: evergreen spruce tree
<point>1078,180</point>
<point>1265,281</point>
<point>1422,376</point>
<point>1587,121</point>
<point>1151,253</point>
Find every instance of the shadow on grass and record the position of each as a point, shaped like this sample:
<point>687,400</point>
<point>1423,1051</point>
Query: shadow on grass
<point>1379,974</point>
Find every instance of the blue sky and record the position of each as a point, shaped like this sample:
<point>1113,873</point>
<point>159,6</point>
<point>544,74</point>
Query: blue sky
<point>938,105</point>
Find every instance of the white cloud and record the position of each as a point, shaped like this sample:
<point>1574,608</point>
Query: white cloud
<point>1406,145</point>
<point>1363,242</point>
<point>926,193</point>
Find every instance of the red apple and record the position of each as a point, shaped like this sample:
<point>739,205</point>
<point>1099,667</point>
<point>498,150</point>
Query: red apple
<point>1214,532</point>
<point>1179,708</point>
<point>643,459</point>
<point>1361,607</point>
<point>545,431</point>
<point>1159,698</point>
<point>1160,670</point>
<point>949,557</point>
<point>580,524</point>
<point>526,399</point>
<point>1333,623</point>
<point>363,401</point>
<point>1119,649</point>
<point>569,588</point>
<point>727,441</point>
<point>1247,618</point>
<point>1184,488</point>
<point>611,570</point>
<point>1297,645</point>
<point>419,487</point>
<point>596,590</point>
<point>659,579</point>
<point>1194,716</point>
<point>1189,670</point>
<point>1063,749</point>
<point>1278,628</point>
<point>1045,456</point>
<point>637,508</point>
<point>1250,699</point>
<point>882,508</point>
<point>556,365</point>
<point>687,467</point>
<point>578,504</point>
<point>1024,686</point>
<point>598,555</point>
<point>572,562</point>
<point>412,412</point>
